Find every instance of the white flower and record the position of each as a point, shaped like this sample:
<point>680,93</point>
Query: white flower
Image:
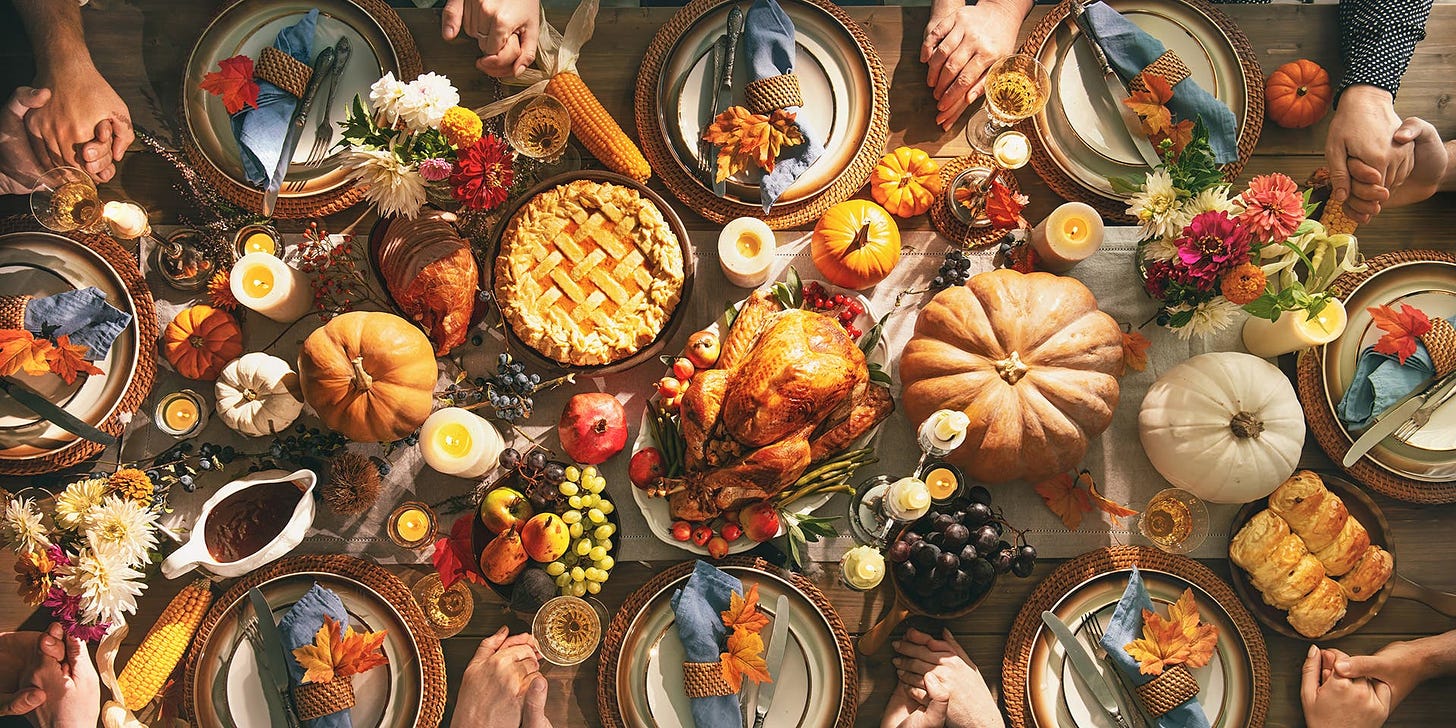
<point>76,500</point>
<point>1209,317</point>
<point>124,526</point>
<point>106,586</point>
<point>383,96</point>
<point>1213,199</point>
<point>1157,208</point>
<point>393,186</point>
<point>427,100</point>
<point>21,526</point>
<point>1160,249</point>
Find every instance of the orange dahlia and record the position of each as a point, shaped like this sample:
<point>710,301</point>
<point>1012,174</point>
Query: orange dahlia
<point>220,292</point>
<point>1243,284</point>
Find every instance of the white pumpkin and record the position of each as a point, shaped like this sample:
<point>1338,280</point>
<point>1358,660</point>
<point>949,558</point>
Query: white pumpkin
<point>255,394</point>
<point>1225,426</point>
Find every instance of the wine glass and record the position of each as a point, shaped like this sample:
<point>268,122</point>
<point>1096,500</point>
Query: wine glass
<point>568,629</point>
<point>1175,521</point>
<point>1017,88</point>
<point>65,200</point>
<point>538,127</point>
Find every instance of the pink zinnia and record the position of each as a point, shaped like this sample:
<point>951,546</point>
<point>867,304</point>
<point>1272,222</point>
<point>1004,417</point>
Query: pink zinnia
<point>1212,244</point>
<point>435,170</point>
<point>1273,207</point>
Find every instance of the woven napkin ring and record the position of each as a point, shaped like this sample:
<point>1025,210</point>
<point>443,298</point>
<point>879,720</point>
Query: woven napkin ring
<point>774,92</point>
<point>12,311</point>
<point>705,680</point>
<point>1440,343</point>
<point>1168,65</point>
<point>283,71</point>
<point>1167,691</point>
<point>316,700</point>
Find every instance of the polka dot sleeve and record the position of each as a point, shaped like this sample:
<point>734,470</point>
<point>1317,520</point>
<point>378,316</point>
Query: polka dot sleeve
<point>1377,39</point>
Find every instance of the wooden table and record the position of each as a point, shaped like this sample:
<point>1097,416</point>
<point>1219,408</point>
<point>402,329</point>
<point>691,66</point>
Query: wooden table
<point>143,45</point>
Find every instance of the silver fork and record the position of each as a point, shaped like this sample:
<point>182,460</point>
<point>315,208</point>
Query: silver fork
<point>707,160</point>
<point>1094,627</point>
<point>323,135</point>
<point>255,638</point>
<point>1421,417</point>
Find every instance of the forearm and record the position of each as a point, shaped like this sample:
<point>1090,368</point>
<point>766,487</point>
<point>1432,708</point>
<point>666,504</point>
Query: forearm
<point>1448,183</point>
<point>1377,39</point>
<point>1437,653</point>
<point>57,37</point>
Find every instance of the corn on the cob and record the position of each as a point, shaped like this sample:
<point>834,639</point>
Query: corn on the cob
<point>1335,220</point>
<point>163,646</point>
<point>596,129</point>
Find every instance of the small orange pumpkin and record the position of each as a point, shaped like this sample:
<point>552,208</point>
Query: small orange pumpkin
<point>906,182</point>
<point>1298,94</point>
<point>201,340</point>
<point>856,244</point>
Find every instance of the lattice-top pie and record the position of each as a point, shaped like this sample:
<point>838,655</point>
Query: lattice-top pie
<point>588,273</point>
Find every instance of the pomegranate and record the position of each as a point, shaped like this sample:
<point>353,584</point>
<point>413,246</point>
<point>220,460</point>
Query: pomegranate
<point>760,521</point>
<point>593,427</point>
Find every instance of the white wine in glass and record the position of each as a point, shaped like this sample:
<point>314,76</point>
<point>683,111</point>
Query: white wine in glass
<point>568,629</point>
<point>65,200</point>
<point>1175,521</point>
<point>1017,88</point>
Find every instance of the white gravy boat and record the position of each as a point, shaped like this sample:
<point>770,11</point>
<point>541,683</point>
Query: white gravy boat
<point>194,552</point>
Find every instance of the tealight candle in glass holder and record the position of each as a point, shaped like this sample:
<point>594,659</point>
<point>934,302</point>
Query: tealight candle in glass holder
<point>257,239</point>
<point>412,525</point>
<point>181,414</point>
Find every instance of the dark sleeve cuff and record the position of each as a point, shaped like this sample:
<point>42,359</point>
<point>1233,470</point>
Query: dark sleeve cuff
<point>1378,38</point>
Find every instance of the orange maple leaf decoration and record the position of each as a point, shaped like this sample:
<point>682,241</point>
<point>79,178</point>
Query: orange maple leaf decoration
<point>1402,330</point>
<point>1151,105</point>
<point>20,350</point>
<point>338,653</point>
<point>68,360</point>
<point>1102,502</point>
<point>1179,639</point>
<point>748,140</point>
<point>1072,497</point>
<point>234,83</point>
<point>743,612</point>
<point>744,658</point>
<point>1135,351</point>
<point>1003,207</point>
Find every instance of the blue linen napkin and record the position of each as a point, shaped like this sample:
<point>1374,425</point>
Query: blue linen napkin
<point>768,40</point>
<point>1379,382</point>
<point>1127,625</point>
<point>1130,49</point>
<point>300,626</point>
<point>699,606</point>
<point>260,131</point>
<point>83,314</point>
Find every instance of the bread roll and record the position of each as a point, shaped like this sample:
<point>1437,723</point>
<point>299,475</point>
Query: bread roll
<point>1287,589</point>
<point>1369,575</point>
<point>1298,499</point>
<point>1317,613</point>
<point>1322,529</point>
<point>1279,561</point>
<point>1347,548</point>
<point>1253,543</point>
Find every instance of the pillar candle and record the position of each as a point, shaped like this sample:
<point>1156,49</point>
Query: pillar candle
<point>1067,236</point>
<point>459,442</point>
<point>269,286</point>
<point>1294,330</point>
<point>746,250</point>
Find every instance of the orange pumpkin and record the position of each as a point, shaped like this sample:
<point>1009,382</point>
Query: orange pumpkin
<point>1298,94</point>
<point>906,182</point>
<point>369,375</point>
<point>201,340</point>
<point>856,244</point>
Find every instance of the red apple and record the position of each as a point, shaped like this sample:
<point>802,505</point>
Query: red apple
<point>593,427</point>
<point>682,530</point>
<point>645,468</point>
<point>701,534</point>
<point>760,521</point>
<point>682,369</point>
<point>731,532</point>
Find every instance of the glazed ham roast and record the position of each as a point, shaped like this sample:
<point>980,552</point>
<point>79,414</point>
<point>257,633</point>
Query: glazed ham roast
<point>431,273</point>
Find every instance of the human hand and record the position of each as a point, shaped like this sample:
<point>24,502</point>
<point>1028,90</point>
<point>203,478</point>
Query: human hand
<point>1400,665</point>
<point>919,656</point>
<point>85,124</point>
<point>961,42</point>
<point>19,166</point>
<point>1431,162</point>
<point>506,31</point>
<point>21,653</point>
<point>1340,701</point>
<point>494,690</point>
<point>1363,128</point>
<point>907,712</point>
<point>49,678</point>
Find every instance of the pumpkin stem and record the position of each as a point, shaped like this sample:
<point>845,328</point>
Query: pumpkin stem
<point>361,381</point>
<point>196,341</point>
<point>249,395</point>
<point>1246,425</point>
<point>1012,368</point>
<point>1302,91</point>
<point>861,238</point>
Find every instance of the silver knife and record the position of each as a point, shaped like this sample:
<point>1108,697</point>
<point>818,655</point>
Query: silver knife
<point>273,659</point>
<point>724,97</point>
<point>37,403</point>
<point>777,643</point>
<point>1083,665</point>
<point>1398,414</point>
<point>708,151</point>
<point>1118,91</point>
<point>323,63</point>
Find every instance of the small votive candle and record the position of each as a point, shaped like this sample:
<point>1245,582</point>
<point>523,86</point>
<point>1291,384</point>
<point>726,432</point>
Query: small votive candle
<point>1067,236</point>
<point>862,567</point>
<point>266,284</point>
<point>1295,330</point>
<point>1012,150</point>
<point>256,239</point>
<point>458,442</point>
<point>746,250</point>
<point>181,414</point>
<point>412,525</point>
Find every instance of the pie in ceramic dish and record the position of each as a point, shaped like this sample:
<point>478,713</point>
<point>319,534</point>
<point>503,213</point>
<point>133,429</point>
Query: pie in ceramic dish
<point>588,272</point>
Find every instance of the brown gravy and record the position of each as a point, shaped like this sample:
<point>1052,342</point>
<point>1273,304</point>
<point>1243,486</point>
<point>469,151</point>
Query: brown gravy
<point>246,521</point>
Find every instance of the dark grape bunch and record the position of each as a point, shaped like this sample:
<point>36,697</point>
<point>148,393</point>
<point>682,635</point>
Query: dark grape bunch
<point>955,270</point>
<point>535,475</point>
<point>508,391</point>
<point>949,558</point>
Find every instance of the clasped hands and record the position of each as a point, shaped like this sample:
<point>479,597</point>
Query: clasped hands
<point>938,685</point>
<point>1378,160</point>
<point>72,117</point>
<point>49,679</point>
<point>1340,691</point>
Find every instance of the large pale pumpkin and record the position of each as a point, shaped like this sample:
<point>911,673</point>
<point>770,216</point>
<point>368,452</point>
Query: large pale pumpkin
<point>905,182</point>
<point>1298,94</point>
<point>370,376</point>
<point>1225,426</point>
<point>855,244</point>
<point>257,395</point>
<point>1031,361</point>
<point>201,340</point>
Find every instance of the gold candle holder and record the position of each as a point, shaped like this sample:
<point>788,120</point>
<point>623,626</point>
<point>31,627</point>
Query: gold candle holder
<point>181,414</point>
<point>257,238</point>
<point>412,525</point>
<point>447,610</point>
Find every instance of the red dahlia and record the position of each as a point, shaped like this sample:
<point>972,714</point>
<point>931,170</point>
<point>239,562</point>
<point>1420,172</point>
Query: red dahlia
<point>482,176</point>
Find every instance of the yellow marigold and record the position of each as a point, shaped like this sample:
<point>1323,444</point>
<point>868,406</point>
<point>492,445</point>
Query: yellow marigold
<point>1243,284</point>
<point>461,127</point>
<point>131,484</point>
<point>33,573</point>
